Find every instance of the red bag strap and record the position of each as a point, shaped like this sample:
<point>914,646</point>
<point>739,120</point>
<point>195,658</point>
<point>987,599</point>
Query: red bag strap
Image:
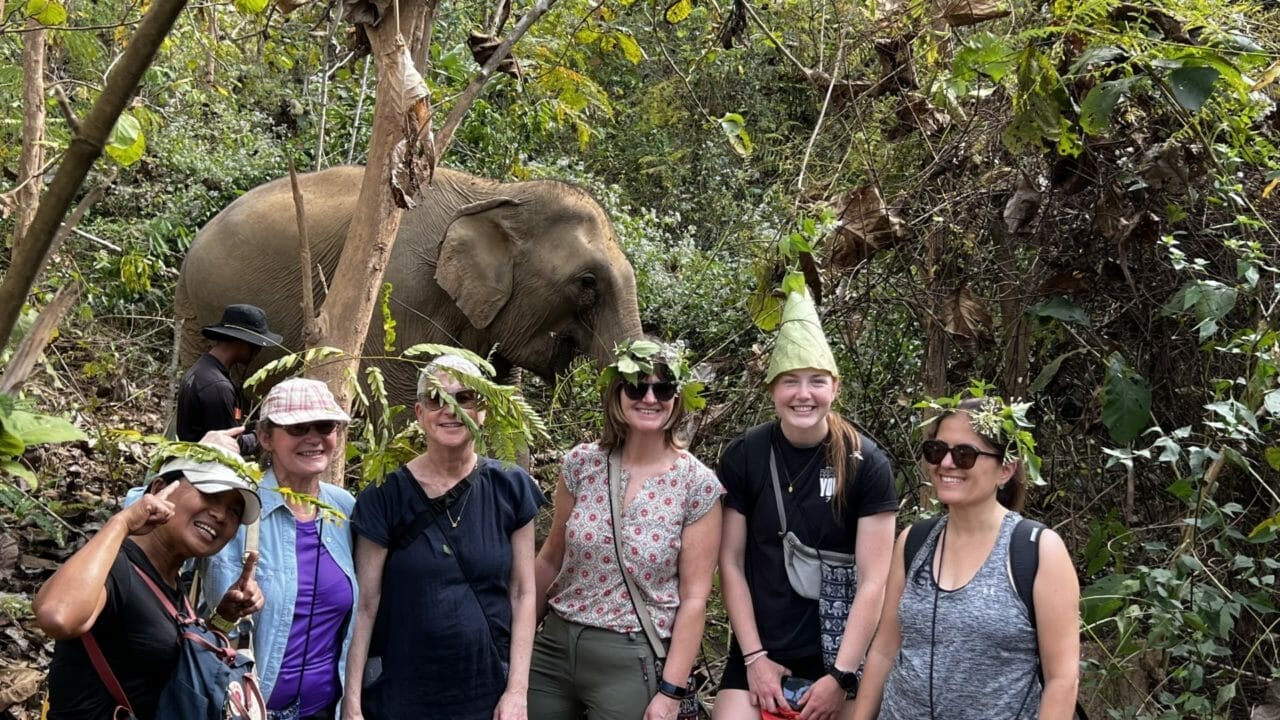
<point>163,598</point>
<point>104,672</point>
<point>94,651</point>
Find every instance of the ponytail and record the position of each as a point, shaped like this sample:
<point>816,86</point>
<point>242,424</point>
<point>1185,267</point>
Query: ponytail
<point>845,441</point>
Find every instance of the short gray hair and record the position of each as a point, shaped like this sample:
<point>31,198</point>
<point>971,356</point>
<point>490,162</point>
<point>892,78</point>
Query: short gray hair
<point>456,363</point>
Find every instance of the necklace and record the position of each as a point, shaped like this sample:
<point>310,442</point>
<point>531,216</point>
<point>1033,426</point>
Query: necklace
<point>462,506</point>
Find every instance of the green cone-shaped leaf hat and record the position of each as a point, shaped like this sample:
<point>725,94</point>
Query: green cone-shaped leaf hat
<point>801,343</point>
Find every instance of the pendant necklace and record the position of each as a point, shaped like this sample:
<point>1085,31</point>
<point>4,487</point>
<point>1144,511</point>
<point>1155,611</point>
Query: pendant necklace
<point>462,506</point>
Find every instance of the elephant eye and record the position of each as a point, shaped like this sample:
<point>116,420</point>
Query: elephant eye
<point>586,289</point>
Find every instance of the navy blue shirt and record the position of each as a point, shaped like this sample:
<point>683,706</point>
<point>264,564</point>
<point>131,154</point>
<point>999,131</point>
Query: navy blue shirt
<point>443,629</point>
<point>788,623</point>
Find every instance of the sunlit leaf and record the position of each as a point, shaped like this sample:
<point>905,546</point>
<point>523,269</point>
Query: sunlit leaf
<point>678,11</point>
<point>36,429</point>
<point>630,48</point>
<point>126,143</point>
<point>251,7</point>
<point>47,12</point>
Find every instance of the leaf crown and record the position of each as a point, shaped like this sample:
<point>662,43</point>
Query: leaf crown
<point>995,418</point>
<point>637,359</point>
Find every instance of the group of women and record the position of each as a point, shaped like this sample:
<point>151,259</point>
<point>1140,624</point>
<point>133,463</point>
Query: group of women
<point>431,601</point>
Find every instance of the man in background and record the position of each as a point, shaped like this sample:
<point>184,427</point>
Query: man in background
<point>207,397</point>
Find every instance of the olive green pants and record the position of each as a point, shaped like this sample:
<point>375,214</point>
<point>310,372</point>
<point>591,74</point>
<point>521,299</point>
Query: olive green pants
<point>578,669</point>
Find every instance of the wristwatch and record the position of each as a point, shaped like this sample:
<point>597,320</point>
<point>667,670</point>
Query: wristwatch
<point>847,680</point>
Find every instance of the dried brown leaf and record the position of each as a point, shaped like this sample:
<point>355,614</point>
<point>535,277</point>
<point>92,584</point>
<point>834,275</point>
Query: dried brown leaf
<point>965,315</point>
<point>1114,217</point>
<point>482,48</point>
<point>972,12</point>
<point>1022,207</point>
<point>864,225</point>
<point>916,111</point>
<point>17,684</point>
<point>8,555</point>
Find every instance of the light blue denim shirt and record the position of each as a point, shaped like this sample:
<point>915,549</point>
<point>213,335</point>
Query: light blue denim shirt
<point>277,574</point>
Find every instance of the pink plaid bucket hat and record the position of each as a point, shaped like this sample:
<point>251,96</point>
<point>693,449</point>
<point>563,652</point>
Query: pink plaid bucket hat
<point>300,400</point>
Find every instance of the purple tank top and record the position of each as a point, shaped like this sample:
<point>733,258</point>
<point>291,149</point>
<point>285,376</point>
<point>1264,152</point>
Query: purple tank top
<point>309,670</point>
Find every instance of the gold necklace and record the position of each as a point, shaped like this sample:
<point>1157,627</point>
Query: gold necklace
<point>462,506</point>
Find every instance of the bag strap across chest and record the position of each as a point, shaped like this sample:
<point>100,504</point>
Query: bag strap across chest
<point>99,661</point>
<point>614,465</point>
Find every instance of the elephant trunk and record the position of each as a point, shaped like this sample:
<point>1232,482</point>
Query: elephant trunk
<point>613,328</point>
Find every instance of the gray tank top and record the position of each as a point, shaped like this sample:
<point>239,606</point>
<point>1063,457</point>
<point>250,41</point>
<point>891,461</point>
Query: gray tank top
<point>984,650</point>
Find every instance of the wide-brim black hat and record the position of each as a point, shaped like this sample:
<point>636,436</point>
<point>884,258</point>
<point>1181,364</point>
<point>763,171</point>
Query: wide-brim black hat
<point>243,322</point>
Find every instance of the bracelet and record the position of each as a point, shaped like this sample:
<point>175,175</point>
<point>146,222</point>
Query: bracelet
<point>221,624</point>
<point>753,653</point>
<point>671,690</point>
<point>754,657</point>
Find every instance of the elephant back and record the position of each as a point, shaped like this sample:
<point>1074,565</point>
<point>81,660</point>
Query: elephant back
<point>248,253</point>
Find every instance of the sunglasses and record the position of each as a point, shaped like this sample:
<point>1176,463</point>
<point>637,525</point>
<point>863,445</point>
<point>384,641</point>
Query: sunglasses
<point>964,456</point>
<point>662,391</point>
<point>466,399</point>
<point>323,427</point>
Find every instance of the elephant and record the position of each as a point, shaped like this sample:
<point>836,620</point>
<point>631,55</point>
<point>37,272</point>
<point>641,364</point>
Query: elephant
<point>532,271</point>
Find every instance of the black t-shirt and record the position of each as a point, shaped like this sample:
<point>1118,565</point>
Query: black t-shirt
<point>208,400</point>
<point>137,637</point>
<point>788,623</point>
<point>443,629</point>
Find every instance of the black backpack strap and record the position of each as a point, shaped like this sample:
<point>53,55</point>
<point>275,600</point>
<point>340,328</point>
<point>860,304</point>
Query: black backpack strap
<point>403,534</point>
<point>1024,561</point>
<point>916,536</point>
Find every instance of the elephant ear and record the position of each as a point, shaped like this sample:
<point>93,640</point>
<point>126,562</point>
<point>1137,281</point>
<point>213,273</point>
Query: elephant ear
<point>476,260</point>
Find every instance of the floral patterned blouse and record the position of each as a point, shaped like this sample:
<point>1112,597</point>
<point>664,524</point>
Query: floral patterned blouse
<point>589,589</point>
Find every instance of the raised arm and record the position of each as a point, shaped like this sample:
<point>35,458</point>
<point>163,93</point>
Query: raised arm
<point>887,641</point>
<point>370,558</point>
<point>551,556</point>
<point>69,603</point>
<point>1057,598</point>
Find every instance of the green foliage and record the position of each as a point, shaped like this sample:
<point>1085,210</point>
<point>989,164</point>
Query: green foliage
<point>21,429</point>
<point>126,144</point>
<point>1126,401</point>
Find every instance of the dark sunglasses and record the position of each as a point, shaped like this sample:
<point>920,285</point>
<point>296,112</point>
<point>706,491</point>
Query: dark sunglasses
<point>662,391</point>
<point>964,456</point>
<point>323,427</point>
<point>466,399</point>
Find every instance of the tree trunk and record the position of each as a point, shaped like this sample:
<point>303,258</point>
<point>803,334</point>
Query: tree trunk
<point>343,320</point>
<point>31,163</point>
<point>82,152</point>
<point>1014,291</point>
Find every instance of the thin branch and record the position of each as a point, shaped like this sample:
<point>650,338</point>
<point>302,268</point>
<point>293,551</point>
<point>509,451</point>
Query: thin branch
<point>324,95</point>
<point>772,38</point>
<point>83,150</point>
<point>82,207</point>
<point>68,112</point>
<point>355,122</point>
<point>468,96</point>
<point>33,343</point>
<point>310,331</point>
<point>822,115</point>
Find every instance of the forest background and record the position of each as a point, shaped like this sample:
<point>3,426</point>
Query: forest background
<point>1073,201</point>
